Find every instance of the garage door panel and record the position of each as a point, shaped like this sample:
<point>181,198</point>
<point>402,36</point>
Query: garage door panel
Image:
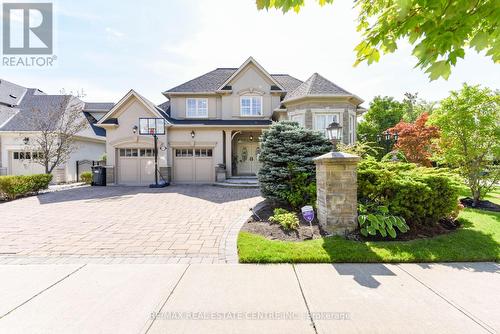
<point>183,169</point>
<point>147,171</point>
<point>193,165</point>
<point>136,166</point>
<point>24,165</point>
<point>129,170</point>
<point>203,169</point>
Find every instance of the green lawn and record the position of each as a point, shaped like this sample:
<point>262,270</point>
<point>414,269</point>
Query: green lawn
<point>477,240</point>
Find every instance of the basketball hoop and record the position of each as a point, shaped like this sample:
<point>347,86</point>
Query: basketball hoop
<point>153,127</point>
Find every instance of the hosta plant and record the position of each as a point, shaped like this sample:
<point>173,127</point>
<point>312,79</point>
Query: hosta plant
<point>379,221</point>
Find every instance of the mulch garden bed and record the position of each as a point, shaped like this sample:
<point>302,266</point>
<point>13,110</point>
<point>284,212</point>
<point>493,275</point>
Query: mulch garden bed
<point>259,224</point>
<point>482,205</point>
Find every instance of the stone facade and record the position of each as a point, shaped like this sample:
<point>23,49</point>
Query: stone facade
<point>336,180</point>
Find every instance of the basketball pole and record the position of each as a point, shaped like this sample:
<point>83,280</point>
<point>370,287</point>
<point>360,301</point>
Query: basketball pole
<point>156,159</point>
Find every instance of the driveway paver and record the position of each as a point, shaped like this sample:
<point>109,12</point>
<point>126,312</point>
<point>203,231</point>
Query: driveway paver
<point>177,224</point>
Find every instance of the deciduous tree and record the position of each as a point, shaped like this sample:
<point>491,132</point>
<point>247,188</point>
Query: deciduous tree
<point>415,140</point>
<point>469,120</point>
<point>439,30</point>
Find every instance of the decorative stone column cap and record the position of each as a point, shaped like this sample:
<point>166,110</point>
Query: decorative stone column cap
<point>337,157</point>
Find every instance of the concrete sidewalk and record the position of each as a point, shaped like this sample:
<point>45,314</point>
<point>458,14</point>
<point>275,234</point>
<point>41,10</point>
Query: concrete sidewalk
<point>308,298</point>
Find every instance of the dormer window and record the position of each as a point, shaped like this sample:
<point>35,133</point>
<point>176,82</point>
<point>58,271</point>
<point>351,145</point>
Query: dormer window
<point>197,107</point>
<point>251,105</point>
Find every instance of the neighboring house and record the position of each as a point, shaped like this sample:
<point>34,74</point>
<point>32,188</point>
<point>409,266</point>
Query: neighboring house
<point>217,118</point>
<point>17,104</point>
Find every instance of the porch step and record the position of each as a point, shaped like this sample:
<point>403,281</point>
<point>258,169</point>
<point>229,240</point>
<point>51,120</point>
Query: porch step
<point>239,182</point>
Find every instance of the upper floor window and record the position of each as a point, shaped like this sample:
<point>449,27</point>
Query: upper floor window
<point>322,121</point>
<point>196,107</point>
<point>251,105</point>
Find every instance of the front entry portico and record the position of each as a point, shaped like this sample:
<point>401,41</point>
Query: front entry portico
<point>246,151</point>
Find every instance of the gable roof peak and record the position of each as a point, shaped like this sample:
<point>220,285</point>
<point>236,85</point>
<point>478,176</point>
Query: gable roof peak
<point>248,61</point>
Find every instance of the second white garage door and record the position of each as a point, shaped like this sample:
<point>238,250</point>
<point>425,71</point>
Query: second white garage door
<point>193,165</point>
<point>136,166</point>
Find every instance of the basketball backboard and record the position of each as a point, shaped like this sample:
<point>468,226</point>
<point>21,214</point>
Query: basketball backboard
<point>151,126</point>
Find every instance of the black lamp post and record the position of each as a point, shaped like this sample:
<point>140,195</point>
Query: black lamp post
<point>387,140</point>
<point>334,134</point>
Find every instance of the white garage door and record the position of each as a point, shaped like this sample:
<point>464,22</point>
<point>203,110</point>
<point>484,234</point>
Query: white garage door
<point>22,163</point>
<point>136,166</point>
<point>193,165</point>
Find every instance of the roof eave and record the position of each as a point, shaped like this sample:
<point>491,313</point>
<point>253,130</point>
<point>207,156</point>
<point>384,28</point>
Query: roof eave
<point>325,96</point>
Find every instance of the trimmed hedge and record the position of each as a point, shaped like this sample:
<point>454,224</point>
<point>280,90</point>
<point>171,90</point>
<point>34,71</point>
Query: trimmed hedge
<point>420,195</point>
<point>14,186</point>
<point>86,177</point>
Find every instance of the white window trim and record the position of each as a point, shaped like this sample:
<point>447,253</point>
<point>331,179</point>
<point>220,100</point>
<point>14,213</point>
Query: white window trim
<point>252,96</point>
<point>327,112</point>
<point>352,131</point>
<point>197,99</point>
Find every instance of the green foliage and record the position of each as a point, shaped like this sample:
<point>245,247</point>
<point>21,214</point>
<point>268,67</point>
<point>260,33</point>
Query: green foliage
<point>420,195</point>
<point>301,189</point>
<point>439,30</point>
<point>383,113</point>
<point>287,220</point>
<point>360,148</point>
<point>86,177</point>
<point>394,156</point>
<point>14,186</point>
<point>375,220</point>
<point>469,120</point>
<point>283,145</point>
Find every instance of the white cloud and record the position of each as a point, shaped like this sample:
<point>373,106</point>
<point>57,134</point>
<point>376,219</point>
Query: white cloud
<point>114,34</point>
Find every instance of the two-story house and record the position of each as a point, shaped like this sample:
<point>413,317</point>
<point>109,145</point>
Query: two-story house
<point>217,118</point>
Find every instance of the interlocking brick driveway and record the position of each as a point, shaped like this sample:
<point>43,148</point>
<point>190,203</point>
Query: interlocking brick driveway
<point>182,223</point>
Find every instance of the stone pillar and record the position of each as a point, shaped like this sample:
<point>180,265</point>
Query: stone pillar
<point>336,181</point>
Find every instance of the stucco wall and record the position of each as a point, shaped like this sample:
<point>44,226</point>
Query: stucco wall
<point>84,150</point>
<point>227,106</point>
<point>207,138</point>
<point>123,136</point>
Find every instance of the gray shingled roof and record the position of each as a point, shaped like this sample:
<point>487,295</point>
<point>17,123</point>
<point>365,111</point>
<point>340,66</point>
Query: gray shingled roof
<point>98,106</point>
<point>211,81</point>
<point>45,104</point>
<point>316,85</point>
<point>208,82</point>
<point>10,93</point>
<point>165,106</point>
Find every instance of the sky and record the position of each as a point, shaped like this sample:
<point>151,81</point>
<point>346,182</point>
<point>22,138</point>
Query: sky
<point>106,48</point>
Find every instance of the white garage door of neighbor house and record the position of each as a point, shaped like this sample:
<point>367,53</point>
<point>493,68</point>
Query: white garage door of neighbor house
<point>193,165</point>
<point>136,166</point>
<point>23,163</point>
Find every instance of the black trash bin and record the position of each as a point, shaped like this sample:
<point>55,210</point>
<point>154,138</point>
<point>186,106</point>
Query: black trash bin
<point>98,176</point>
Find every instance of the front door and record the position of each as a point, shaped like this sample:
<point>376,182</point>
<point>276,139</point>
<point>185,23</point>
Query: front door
<point>248,162</point>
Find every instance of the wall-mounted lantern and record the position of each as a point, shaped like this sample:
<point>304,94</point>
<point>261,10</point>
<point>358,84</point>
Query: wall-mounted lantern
<point>134,129</point>
<point>26,140</point>
<point>193,134</point>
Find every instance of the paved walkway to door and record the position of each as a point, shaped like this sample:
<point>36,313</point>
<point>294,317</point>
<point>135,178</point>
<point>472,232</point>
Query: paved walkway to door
<point>177,224</point>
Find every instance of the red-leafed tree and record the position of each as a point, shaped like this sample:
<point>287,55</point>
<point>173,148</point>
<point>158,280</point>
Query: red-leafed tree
<point>415,139</point>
